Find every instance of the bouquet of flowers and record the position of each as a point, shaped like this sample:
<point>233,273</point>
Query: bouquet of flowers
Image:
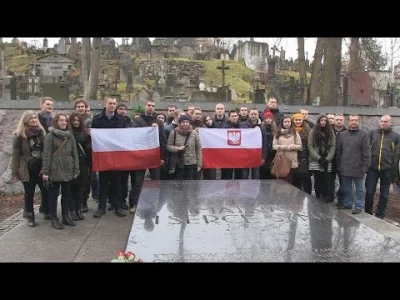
<point>127,257</point>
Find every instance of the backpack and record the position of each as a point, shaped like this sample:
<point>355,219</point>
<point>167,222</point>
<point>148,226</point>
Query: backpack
<point>280,166</point>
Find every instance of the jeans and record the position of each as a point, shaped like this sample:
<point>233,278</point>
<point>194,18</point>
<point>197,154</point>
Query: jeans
<point>339,193</point>
<point>348,191</point>
<point>29,193</point>
<point>371,181</point>
<point>95,185</point>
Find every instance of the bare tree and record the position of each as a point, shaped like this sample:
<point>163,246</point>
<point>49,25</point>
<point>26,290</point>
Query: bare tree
<point>331,72</point>
<point>90,92</point>
<point>302,66</point>
<point>355,64</point>
<point>85,66</point>
<point>315,82</point>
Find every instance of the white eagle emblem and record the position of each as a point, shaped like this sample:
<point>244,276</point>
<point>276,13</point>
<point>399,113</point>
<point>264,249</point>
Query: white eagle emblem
<point>234,137</point>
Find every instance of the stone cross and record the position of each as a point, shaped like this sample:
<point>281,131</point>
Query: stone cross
<point>274,48</point>
<point>223,68</point>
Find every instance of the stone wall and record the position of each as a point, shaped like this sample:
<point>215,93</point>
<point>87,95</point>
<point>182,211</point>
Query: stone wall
<point>150,68</point>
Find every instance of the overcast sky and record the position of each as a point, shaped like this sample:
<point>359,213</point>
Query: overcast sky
<point>288,44</point>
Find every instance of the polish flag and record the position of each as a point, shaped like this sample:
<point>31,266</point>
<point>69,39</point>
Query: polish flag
<point>231,147</point>
<point>125,149</point>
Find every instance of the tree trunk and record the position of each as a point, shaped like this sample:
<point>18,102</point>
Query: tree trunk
<point>331,72</point>
<point>85,66</point>
<point>91,92</point>
<point>354,64</point>
<point>302,67</point>
<point>315,82</point>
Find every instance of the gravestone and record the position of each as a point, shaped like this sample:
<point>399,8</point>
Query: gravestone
<point>248,221</point>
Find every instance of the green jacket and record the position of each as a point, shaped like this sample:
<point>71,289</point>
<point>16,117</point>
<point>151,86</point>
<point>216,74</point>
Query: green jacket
<point>63,166</point>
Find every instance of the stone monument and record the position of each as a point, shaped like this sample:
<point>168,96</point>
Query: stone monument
<point>248,221</point>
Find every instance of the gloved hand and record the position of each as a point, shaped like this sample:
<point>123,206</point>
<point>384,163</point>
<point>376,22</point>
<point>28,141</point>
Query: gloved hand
<point>322,160</point>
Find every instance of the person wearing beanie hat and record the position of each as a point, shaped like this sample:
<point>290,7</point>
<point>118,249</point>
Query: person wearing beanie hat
<point>183,118</point>
<point>302,175</point>
<point>268,114</point>
<point>186,153</point>
<point>321,145</point>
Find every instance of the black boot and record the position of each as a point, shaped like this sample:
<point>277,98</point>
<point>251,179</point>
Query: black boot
<point>31,220</point>
<point>74,217</point>
<point>56,223</point>
<point>84,206</point>
<point>80,215</point>
<point>66,220</point>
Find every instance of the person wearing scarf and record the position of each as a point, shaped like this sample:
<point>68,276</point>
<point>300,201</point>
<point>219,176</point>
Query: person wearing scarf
<point>26,162</point>
<point>60,166</point>
<point>288,141</point>
<point>185,146</point>
<point>321,147</point>
<point>302,175</point>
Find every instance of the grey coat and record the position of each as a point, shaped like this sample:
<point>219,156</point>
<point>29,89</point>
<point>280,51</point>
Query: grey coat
<point>353,153</point>
<point>193,153</point>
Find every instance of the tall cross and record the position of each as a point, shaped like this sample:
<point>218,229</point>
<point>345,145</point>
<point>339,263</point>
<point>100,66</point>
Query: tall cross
<point>223,68</point>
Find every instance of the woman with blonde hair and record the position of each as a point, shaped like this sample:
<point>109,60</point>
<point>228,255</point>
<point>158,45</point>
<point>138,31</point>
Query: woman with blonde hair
<point>27,161</point>
<point>60,166</point>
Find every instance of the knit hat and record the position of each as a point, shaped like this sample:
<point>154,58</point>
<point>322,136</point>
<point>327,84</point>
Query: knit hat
<point>183,118</point>
<point>268,114</point>
<point>297,116</point>
<point>320,116</point>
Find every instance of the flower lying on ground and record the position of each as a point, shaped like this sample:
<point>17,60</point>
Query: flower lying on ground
<point>127,257</point>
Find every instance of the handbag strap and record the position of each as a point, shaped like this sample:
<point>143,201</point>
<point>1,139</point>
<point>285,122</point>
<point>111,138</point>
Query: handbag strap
<point>59,148</point>
<point>80,146</point>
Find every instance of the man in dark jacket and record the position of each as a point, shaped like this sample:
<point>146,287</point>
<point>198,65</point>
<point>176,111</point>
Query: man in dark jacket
<point>219,122</point>
<point>353,159</point>
<point>122,110</point>
<point>272,107</point>
<point>384,142</point>
<point>45,119</point>
<point>338,128</point>
<point>304,112</point>
<point>236,173</point>
<point>147,119</point>
<point>253,121</point>
<point>108,118</point>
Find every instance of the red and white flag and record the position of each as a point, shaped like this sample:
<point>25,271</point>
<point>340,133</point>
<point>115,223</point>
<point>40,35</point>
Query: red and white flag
<point>125,149</point>
<point>231,147</point>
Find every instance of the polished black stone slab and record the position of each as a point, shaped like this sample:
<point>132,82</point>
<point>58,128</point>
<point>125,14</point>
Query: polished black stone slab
<point>248,221</point>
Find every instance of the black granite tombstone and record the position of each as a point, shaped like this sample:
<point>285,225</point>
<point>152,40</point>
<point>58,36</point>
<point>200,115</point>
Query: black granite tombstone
<point>248,221</point>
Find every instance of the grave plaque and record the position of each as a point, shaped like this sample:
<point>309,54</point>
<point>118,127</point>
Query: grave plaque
<point>248,221</point>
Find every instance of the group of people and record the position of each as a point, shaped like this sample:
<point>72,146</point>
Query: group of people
<point>54,152</point>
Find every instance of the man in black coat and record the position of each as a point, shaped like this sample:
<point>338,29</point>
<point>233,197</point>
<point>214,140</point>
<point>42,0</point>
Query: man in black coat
<point>109,118</point>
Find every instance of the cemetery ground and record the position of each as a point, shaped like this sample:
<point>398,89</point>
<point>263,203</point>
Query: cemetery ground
<point>11,204</point>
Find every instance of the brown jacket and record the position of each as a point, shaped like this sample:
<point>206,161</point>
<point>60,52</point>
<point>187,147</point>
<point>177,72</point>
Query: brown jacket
<point>20,156</point>
<point>283,142</point>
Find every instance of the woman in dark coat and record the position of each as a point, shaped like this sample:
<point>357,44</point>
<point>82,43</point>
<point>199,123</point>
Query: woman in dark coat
<point>78,185</point>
